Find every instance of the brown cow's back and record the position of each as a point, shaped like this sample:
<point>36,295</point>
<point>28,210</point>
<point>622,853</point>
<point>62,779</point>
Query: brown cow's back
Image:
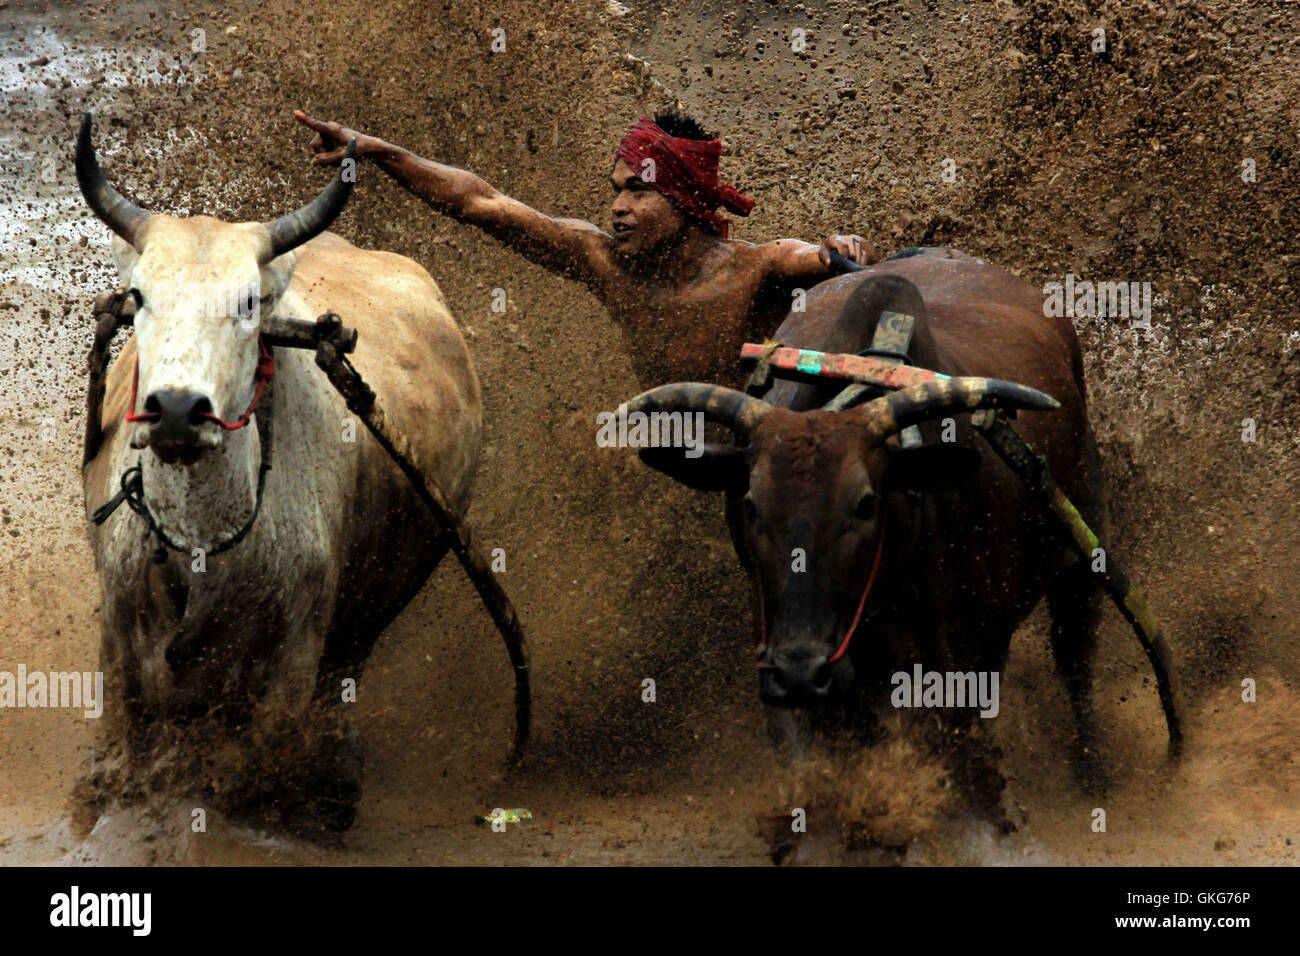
<point>980,320</point>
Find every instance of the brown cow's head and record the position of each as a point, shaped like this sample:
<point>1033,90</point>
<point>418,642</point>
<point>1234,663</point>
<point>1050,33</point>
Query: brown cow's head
<point>811,488</point>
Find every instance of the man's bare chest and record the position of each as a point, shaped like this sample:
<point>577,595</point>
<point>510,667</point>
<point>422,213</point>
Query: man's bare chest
<point>698,342</point>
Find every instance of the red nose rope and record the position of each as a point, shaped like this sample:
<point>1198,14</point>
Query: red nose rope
<point>265,372</point>
<point>857,617</point>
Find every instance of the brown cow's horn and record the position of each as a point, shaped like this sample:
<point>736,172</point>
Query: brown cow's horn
<point>736,410</point>
<point>314,218</point>
<point>117,212</point>
<point>892,413</point>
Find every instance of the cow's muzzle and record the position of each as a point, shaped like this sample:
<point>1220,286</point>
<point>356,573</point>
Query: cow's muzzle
<point>802,677</point>
<point>177,424</point>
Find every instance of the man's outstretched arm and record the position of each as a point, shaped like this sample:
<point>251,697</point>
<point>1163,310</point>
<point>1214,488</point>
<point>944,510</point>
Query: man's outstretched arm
<point>565,246</point>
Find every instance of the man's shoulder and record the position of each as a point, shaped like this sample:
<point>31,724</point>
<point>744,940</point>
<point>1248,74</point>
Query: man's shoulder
<point>738,252</point>
<point>780,248</point>
<point>779,258</point>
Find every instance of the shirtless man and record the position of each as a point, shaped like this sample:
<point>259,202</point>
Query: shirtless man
<point>685,296</point>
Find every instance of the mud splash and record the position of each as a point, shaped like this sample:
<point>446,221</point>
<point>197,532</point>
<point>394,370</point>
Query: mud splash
<point>1124,166</point>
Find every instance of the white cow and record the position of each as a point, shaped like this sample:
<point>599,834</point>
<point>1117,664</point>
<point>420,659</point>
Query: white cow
<point>245,653</point>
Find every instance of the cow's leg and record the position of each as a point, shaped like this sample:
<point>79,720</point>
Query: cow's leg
<point>331,789</point>
<point>1076,600</point>
<point>976,764</point>
<point>333,786</point>
<point>964,737</point>
<point>307,736</point>
<point>120,733</point>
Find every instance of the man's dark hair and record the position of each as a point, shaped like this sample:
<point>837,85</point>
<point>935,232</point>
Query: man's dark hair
<point>680,125</point>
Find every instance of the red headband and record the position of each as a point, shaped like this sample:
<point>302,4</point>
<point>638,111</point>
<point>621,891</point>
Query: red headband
<point>685,171</point>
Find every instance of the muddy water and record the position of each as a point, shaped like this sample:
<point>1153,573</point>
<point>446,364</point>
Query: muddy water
<point>1105,169</point>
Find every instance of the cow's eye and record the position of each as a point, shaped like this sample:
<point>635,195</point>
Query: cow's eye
<point>751,510</point>
<point>866,509</point>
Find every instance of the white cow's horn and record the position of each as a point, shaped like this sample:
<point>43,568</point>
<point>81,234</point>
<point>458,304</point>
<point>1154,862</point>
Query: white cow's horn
<point>315,217</point>
<point>117,212</point>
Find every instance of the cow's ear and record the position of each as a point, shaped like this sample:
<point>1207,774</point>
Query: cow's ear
<point>277,273</point>
<point>931,469</point>
<point>125,257</point>
<point>718,468</point>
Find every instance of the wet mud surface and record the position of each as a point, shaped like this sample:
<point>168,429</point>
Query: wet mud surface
<point>1118,165</point>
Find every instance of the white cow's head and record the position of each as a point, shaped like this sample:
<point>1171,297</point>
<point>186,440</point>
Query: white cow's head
<point>203,286</point>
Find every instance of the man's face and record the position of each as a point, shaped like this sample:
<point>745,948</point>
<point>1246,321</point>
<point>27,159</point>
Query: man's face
<point>644,220</point>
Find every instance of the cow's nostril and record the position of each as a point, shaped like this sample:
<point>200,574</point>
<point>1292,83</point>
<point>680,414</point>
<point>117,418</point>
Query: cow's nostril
<point>822,679</point>
<point>202,408</point>
<point>779,680</point>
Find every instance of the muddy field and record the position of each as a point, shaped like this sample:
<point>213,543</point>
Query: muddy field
<point>1123,164</point>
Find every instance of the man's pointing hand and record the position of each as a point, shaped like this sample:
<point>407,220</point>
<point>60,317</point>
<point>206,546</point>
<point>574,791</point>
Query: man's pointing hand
<point>331,140</point>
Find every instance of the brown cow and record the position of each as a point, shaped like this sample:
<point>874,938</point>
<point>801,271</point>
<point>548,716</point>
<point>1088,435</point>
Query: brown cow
<point>960,550</point>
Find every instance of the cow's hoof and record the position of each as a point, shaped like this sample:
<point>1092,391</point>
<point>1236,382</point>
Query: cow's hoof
<point>322,821</point>
<point>332,790</point>
<point>329,810</point>
<point>1090,772</point>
